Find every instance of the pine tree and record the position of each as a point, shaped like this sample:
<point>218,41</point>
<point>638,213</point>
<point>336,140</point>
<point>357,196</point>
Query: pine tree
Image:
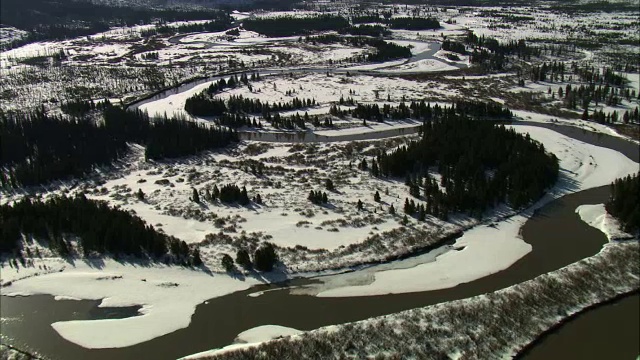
<point>227,263</point>
<point>329,185</point>
<point>140,195</point>
<point>197,261</point>
<point>376,197</point>
<point>243,259</point>
<point>359,206</point>
<point>195,197</point>
<point>265,257</point>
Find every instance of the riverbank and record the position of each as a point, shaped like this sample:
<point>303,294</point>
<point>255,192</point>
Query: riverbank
<point>583,165</point>
<point>531,348</point>
<point>493,325</point>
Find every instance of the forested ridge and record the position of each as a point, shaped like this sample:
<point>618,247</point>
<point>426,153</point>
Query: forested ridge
<point>97,227</point>
<point>38,148</point>
<point>481,164</point>
<point>623,203</point>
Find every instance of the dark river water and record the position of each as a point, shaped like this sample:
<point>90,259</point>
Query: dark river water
<point>556,233</point>
<point>607,332</point>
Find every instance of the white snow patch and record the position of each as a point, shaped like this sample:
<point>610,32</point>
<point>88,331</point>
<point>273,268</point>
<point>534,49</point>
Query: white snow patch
<point>597,217</point>
<point>265,332</point>
<point>249,338</point>
<point>168,296</point>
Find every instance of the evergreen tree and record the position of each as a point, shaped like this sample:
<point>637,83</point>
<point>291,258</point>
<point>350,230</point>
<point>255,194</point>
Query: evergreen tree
<point>99,229</point>
<point>227,263</point>
<point>265,257</point>
<point>243,259</point>
<point>195,197</point>
<point>197,261</point>
<point>376,197</point>
<point>329,185</point>
<point>623,203</point>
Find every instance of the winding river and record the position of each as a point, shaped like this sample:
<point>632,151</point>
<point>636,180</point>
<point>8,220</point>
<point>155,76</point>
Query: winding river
<point>556,233</point>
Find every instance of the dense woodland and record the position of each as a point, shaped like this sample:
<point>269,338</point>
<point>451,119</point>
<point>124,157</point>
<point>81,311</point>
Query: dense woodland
<point>290,25</point>
<point>366,30</point>
<point>493,54</point>
<point>98,229</point>
<point>58,20</point>
<point>414,23</point>
<point>203,105</point>
<point>38,148</point>
<point>422,110</point>
<point>623,203</point>
<point>222,23</point>
<point>481,164</point>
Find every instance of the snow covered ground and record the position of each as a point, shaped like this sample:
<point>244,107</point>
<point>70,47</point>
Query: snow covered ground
<point>493,248</point>
<point>326,90</point>
<point>168,296</point>
<point>597,216</point>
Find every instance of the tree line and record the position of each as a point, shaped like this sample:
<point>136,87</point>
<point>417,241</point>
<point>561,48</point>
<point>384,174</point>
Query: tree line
<point>493,54</point>
<point>38,148</point>
<point>422,110</point>
<point>203,105</point>
<point>94,225</point>
<point>366,30</point>
<point>292,25</point>
<point>481,165</point>
<point>414,23</point>
<point>222,22</point>
<point>384,51</point>
<point>54,20</point>
<point>623,202</point>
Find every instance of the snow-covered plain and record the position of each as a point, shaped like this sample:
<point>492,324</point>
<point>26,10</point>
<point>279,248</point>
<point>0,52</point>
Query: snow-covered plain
<point>169,294</point>
<point>489,249</point>
<point>326,90</point>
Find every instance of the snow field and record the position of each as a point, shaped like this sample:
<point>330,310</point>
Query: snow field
<point>168,296</point>
<point>489,249</point>
<point>597,217</point>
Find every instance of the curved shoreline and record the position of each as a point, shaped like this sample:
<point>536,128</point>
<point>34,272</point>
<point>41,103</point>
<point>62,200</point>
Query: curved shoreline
<point>568,319</point>
<point>353,309</point>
